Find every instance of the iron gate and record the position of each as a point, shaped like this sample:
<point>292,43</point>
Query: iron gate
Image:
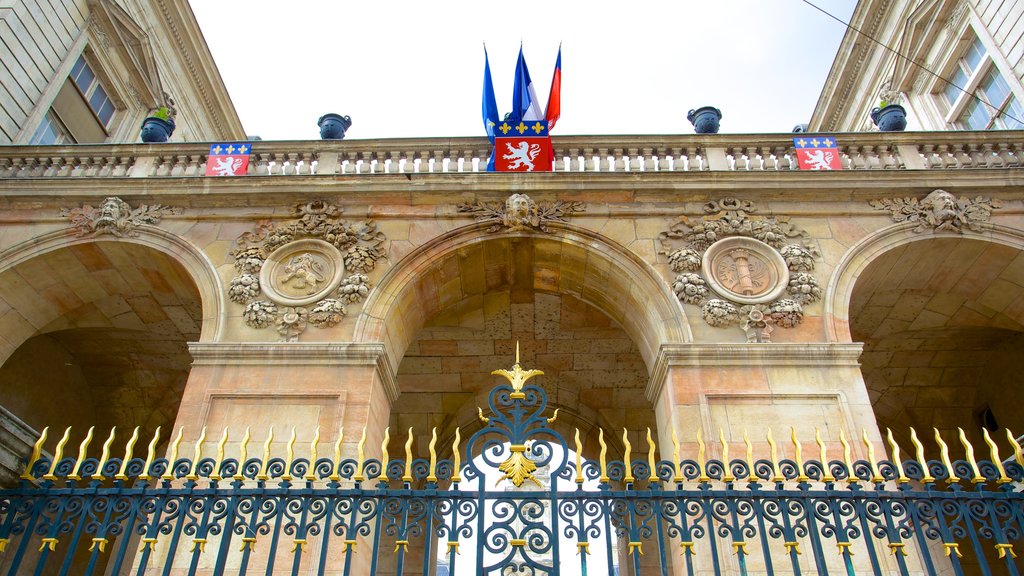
<point>212,514</point>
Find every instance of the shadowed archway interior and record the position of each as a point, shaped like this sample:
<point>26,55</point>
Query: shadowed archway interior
<point>97,337</point>
<point>942,320</point>
<point>517,289</point>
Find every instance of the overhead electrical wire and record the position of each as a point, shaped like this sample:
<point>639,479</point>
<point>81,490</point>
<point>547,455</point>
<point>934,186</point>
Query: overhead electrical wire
<point>996,111</point>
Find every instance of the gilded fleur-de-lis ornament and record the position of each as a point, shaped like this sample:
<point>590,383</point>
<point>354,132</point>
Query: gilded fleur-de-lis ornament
<point>517,377</point>
<point>518,468</point>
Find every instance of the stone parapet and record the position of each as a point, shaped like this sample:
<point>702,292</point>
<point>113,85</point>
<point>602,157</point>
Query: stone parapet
<point>668,153</point>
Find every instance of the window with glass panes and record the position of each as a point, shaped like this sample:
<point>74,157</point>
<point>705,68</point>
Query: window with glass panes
<point>51,131</point>
<point>87,82</point>
<point>978,94</point>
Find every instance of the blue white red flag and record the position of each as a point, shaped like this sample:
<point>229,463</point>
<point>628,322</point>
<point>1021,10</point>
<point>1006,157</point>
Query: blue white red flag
<point>228,159</point>
<point>817,153</point>
<point>554,108</point>
<point>524,98</point>
<point>490,106</point>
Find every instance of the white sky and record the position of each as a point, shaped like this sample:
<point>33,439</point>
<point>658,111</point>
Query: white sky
<point>415,69</point>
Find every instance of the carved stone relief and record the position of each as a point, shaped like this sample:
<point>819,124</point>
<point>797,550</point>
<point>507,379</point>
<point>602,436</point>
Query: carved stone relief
<point>940,211</point>
<point>520,212</point>
<point>116,217</point>
<point>754,271</point>
<point>315,259</point>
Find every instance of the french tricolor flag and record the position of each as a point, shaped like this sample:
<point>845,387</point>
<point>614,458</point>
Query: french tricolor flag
<point>524,98</point>
<point>554,110</point>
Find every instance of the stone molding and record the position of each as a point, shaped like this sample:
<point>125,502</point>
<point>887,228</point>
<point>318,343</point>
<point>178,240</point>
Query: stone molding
<point>298,354</point>
<point>16,441</point>
<point>749,354</point>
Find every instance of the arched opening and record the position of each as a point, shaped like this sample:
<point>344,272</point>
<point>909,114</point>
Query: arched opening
<point>588,313</point>
<point>942,320</point>
<point>94,334</point>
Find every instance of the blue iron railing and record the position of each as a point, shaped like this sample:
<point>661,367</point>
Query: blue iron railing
<point>333,515</point>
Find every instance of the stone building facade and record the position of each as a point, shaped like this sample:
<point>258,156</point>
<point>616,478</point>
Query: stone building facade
<point>699,286</point>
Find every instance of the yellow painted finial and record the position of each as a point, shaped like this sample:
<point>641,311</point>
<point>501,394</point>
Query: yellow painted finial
<point>750,455</point>
<point>37,451</point>
<point>215,469</point>
<point>651,463</point>
<point>601,456</point>
<point>361,457</point>
<point>335,476</point>
<point>456,457</point>
<point>432,474</point>
<point>262,474</point>
<point>902,479</point>
<point>702,457</point>
<point>517,377</point>
<point>919,448</point>
<point>197,454</point>
<point>847,457</point>
<point>407,477</point>
<point>675,458</point>
<point>944,456</point>
<point>313,455</point>
<point>798,456</point>
<point>978,478</point>
<point>876,474</point>
<point>384,459</point>
<point>82,451</point>
<point>58,454</point>
<point>169,472</point>
<point>243,453</point>
<point>996,460</point>
<point>289,457</point>
<point>726,467</point>
<point>626,457</point>
<point>823,457</point>
<point>776,470</point>
<point>150,454</point>
<point>122,474</point>
<point>1018,454</point>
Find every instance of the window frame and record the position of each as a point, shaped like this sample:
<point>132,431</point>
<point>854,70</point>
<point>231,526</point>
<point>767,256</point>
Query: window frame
<point>953,113</point>
<point>87,94</point>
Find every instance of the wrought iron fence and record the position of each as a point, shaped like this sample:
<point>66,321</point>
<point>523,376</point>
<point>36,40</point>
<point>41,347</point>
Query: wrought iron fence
<point>332,515</point>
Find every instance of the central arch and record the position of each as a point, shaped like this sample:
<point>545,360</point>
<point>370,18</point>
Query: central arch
<point>569,260</point>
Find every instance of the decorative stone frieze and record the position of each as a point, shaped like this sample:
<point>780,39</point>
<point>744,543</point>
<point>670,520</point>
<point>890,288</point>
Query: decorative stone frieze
<point>940,211</point>
<point>520,212</point>
<point>300,271</point>
<point>755,271</point>
<point>116,217</point>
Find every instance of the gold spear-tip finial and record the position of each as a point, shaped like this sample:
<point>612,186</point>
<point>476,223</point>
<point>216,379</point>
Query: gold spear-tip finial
<point>517,377</point>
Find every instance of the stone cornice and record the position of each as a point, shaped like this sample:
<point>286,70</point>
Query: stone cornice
<point>853,52</point>
<point>783,354</point>
<point>298,354</point>
<point>180,22</point>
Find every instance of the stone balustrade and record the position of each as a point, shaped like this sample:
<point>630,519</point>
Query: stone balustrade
<point>650,153</point>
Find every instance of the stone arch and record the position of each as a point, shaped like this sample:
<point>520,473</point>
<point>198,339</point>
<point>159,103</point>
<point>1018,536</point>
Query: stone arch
<point>592,287</point>
<point>941,316</point>
<point>387,314</point>
<point>199,267</point>
<point>103,324</point>
<point>841,284</point>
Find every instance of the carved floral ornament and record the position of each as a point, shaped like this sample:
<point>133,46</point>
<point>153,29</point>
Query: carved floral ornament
<point>520,212</point>
<point>940,211</point>
<point>116,217</point>
<point>755,271</point>
<point>304,271</point>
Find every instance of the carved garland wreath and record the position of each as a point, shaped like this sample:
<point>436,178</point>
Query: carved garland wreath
<point>322,249</point>
<point>705,252</point>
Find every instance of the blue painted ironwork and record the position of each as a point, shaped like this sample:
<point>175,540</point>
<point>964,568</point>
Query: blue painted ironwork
<point>350,516</point>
